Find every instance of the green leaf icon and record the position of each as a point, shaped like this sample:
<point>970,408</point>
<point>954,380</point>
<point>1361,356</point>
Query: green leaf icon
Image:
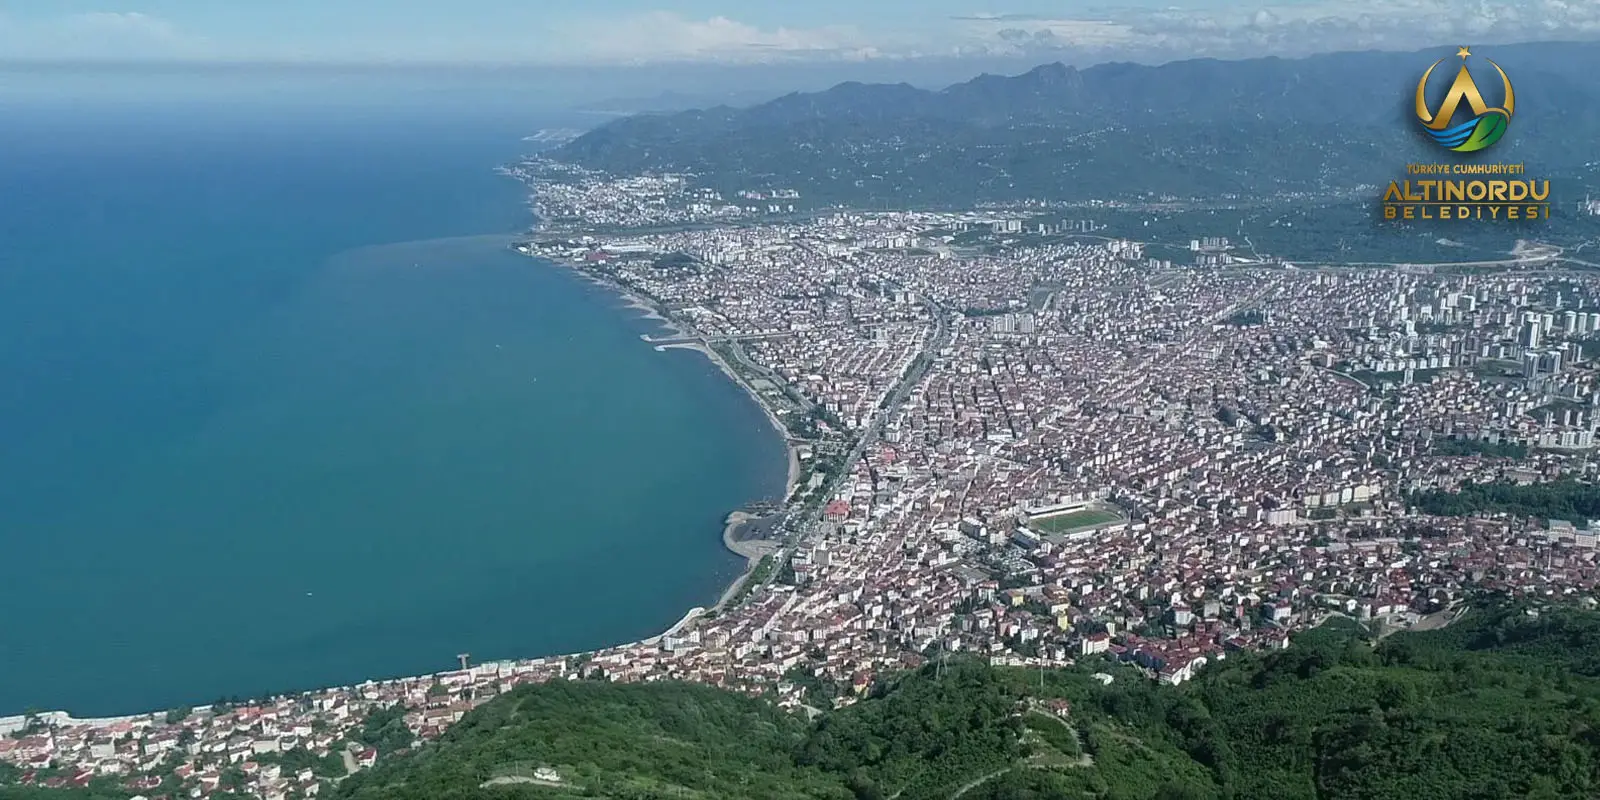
<point>1489,129</point>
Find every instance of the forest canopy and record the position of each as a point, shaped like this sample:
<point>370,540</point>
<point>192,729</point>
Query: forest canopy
<point>1505,703</point>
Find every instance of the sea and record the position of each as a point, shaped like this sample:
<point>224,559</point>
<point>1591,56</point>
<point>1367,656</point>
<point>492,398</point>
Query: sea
<point>279,408</point>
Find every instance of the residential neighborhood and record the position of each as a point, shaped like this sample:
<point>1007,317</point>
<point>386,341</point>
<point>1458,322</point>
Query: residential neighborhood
<point>1042,448</point>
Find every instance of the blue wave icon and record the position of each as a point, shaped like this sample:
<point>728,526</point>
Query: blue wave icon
<point>1454,137</point>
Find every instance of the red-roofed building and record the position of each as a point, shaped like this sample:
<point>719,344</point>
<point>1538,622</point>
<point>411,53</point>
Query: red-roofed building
<point>861,681</point>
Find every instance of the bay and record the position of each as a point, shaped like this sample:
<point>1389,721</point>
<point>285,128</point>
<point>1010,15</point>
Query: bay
<point>279,410</point>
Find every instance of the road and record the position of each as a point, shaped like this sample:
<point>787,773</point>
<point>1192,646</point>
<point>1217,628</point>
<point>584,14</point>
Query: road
<point>771,377</point>
<point>1236,307</point>
<point>896,397</point>
<point>874,429</point>
<point>1351,378</point>
<point>976,782</point>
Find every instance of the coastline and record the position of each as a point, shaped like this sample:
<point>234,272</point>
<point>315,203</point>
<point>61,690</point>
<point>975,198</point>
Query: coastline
<point>650,308</point>
<point>752,551</point>
<point>772,417</point>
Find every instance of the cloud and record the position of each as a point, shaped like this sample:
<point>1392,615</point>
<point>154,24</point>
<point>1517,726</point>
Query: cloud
<point>667,37</point>
<point>1282,29</point>
<point>124,23</point>
<point>1236,29</point>
<point>987,17</point>
<point>95,35</point>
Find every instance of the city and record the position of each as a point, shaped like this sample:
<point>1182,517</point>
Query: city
<point>1041,449</point>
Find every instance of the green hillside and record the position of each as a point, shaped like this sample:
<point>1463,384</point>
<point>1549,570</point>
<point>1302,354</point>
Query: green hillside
<point>609,740</point>
<point>1319,125</point>
<point>1502,704</point>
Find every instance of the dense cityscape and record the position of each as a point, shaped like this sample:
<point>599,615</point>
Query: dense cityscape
<point>1013,439</point>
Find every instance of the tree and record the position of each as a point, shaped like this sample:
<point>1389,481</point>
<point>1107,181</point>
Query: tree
<point>1177,791</point>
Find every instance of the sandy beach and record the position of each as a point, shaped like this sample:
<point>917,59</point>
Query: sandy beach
<point>751,551</point>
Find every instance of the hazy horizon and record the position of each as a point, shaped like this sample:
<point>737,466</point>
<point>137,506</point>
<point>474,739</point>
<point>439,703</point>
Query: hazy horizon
<point>642,32</point>
<point>480,86</point>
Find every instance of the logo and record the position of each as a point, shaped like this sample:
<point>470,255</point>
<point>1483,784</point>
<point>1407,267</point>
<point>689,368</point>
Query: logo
<point>1456,189</point>
<point>1477,132</point>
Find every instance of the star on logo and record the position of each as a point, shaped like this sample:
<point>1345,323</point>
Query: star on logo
<point>1463,53</point>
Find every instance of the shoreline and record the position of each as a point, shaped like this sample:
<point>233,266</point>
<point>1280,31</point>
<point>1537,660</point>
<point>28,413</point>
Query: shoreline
<point>652,309</point>
<point>751,551</point>
<point>793,453</point>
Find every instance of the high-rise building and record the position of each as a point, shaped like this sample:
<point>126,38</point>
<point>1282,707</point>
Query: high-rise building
<point>1530,334</point>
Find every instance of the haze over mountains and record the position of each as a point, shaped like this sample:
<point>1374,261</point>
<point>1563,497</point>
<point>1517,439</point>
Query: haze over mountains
<point>1189,128</point>
<point>668,102</point>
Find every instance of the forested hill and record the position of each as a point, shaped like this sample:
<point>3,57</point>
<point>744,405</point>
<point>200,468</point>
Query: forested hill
<point>1503,704</point>
<point>1189,128</point>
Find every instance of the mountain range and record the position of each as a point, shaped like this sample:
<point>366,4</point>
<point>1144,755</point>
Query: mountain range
<point>1188,129</point>
<point>667,102</point>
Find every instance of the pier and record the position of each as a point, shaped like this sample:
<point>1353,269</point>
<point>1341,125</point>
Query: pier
<point>713,339</point>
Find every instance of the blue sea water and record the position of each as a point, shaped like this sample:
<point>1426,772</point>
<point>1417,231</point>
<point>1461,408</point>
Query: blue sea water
<point>279,410</point>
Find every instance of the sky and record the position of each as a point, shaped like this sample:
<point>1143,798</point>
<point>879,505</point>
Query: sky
<point>642,33</point>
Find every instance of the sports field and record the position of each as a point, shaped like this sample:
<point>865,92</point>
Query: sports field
<point>1072,520</point>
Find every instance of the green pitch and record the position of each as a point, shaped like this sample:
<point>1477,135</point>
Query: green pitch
<point>1072,520</point>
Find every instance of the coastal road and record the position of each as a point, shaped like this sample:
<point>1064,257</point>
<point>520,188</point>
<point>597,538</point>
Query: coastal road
<point>769,376</point>
<point>896,397</point>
